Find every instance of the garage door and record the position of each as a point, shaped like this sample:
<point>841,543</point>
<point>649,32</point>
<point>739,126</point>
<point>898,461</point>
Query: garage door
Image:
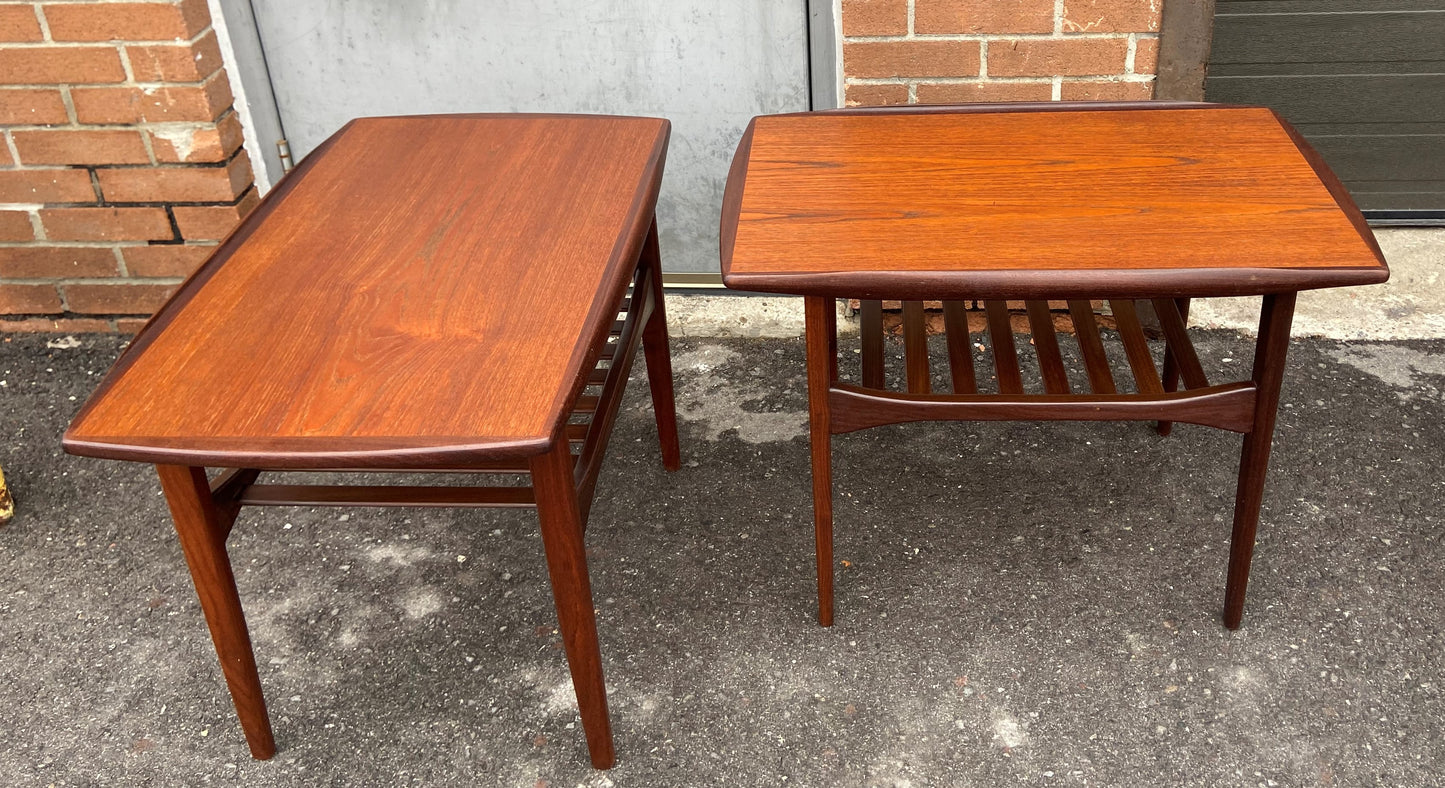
<point>1363,80</point>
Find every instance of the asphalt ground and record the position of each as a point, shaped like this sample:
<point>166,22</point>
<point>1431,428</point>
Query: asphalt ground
<point>1018,604</point>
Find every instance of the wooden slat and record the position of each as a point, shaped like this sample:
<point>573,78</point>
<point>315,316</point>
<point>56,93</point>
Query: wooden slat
<point>1086,330</point>
<point>915,347</point>
<point>1005,357</point>
<point>1146,377</point>
<point>491,467</point>
<point>359,495</point>
<point>870,328</point>
<point>586,403</point>
<point>1046,346</point>
<point>1181,349</point>
<point>960,348</point>
<point>605,405</point>
<point>1229,407</point>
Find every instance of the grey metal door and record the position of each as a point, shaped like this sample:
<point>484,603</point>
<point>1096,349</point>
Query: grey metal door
<point>707,66</point>
<point>1363,80</point>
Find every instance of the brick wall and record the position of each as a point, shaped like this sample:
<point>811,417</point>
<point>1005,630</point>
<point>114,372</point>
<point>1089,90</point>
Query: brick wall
<point>946,51</point>
<point>121,163</point>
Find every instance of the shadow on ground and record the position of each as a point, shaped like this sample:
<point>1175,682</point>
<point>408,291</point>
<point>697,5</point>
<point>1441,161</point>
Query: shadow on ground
<point>1018,604</point>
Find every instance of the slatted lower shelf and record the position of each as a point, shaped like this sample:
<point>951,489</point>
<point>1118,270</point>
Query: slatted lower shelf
<point>1092,393</point>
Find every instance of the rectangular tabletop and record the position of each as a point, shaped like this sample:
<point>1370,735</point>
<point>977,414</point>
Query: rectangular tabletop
<point>420,291</point>
<point>1030,201</point>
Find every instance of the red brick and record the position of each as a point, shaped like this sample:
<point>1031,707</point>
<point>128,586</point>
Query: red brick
<point>213,223</point>
<point>45,186</point>
<point>159,260</point>
<point>1146,56</point>
<point>106,224</point>
<point>974,92</point>
<point>52,65</point>
<point>875,95</point>
<point>983,16</point>
<point>1110,16</point>
<point>1107,91</point>
<point>166,103</point>
<point>119,298</point>
<point>31,106</point>
<point>198,142</point>
<point>175,62</point>
<point>6,160</point>
<point>29,299</point>
<point>65,325</point>
<point>81,147</point>
<point>56,262</point>
<point>15,226</point>
<point>176,183</point>
<point>875,17</point>
<point>19,23</point>
<point>160,21</point>
<point>131,325</point>
<point>1057,57</point>
<point>911,59</point>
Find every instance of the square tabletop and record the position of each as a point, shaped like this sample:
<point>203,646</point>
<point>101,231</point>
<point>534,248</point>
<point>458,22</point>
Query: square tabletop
<point>1038,201</point>
<point>420,291</point>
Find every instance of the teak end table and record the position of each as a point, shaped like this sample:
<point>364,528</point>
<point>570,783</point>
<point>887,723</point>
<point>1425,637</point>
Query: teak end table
<point>445,293</point>
<point>1153,201</point>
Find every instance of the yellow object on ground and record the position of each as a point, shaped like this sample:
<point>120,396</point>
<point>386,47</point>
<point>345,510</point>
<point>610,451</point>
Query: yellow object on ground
<point>7,504</point>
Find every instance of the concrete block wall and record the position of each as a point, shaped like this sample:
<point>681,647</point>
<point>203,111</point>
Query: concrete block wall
<point>949,51</point>
<point>121,163</point>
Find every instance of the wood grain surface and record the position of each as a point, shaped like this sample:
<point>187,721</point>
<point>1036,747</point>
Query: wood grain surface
<point>1075,201</point>
<point>422,290</point>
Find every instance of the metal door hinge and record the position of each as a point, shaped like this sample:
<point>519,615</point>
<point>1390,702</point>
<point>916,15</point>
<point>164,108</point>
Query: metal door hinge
<point>283,149</point>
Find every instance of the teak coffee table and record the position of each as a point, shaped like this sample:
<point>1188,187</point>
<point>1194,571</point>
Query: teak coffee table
<point>1068,201</point>
<point>446,293</point>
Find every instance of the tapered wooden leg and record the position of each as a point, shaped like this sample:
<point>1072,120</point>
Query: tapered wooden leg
<point>821,327</point>
<point>1171,368</point>
<point>561,522</point>
<point>659,357</point>
<point>201,529</point>
<point>1269,356</point>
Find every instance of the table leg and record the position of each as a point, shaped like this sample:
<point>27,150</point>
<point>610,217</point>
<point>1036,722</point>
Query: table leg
<point>199,525</point>
<point>1171,368</point>
<point>659,357</point>
<point>1269,357</point>
<point>822,344</point>
<point>561,522</point>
